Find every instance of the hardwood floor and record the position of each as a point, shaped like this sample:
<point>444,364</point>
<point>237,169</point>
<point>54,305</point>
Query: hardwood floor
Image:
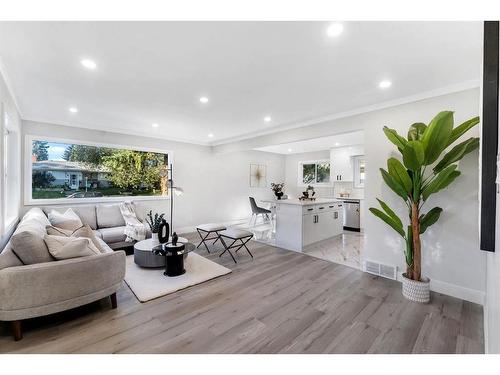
<point>279,302</point>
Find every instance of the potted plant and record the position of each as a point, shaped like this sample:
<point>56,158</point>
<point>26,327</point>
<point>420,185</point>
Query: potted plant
<point>415,179</point>
<point>278,189</point>
<point>154,224</point>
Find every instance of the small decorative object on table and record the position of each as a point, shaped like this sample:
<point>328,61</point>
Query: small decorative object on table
<point>154,224</point>
<point>278,189</point>
<point>308,195</point>
<point>163,231</point>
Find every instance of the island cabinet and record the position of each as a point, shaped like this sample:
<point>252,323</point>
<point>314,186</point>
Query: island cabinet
<point>299,224</point>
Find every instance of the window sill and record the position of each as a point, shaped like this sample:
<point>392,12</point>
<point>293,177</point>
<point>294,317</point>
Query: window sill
<point>69,201</point>
<point>10,224</point>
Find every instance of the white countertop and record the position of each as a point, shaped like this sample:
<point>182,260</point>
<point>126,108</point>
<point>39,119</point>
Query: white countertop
<point>350,198</point>
<point>298,202</point>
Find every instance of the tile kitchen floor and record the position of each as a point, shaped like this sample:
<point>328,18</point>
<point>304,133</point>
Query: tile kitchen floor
<point>345,248</point>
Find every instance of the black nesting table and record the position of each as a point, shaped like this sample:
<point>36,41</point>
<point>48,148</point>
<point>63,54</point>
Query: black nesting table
<point>174,256</point>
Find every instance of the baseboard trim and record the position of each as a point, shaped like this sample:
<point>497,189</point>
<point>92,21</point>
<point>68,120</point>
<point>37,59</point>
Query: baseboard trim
<point>467,294</point>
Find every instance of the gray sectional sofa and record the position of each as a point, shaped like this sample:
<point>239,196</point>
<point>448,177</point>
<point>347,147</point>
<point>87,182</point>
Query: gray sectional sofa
<point>32,290</point>
<point>105,219</point>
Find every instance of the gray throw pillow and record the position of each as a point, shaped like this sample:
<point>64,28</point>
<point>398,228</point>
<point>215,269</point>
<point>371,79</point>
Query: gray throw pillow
<point>30,247</point>
<point>70,247</point>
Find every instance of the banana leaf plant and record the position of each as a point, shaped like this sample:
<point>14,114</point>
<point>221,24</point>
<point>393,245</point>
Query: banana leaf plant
<point>420,175</point>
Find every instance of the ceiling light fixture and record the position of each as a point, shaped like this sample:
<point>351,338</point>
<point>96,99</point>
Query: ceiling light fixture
<point>73,109</point>
<point>267,119</point>
<point>337,144</point>
<point>289,150</point>
<point>210,135</point>
<point>204,99</point>
<point>334,30</point>
<point>155,125</point>
<point>385,84</point>
<point>89,64</point>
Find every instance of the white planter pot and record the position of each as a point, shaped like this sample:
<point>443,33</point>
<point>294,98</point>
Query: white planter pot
<point>417,291</point>
<point>155,239</point>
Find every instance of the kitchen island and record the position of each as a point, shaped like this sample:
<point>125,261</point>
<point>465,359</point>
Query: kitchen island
<point>301,223</point>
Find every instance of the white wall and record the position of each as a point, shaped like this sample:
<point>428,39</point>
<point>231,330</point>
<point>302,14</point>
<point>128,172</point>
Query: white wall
<point>492,305</point>
<point>452,258</point>
<point>13,193</point>
<point>216,186</point>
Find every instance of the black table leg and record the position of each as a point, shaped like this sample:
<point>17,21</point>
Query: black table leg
<point>174,265</point>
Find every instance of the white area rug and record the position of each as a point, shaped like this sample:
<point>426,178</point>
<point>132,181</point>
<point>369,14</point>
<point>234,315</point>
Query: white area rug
<point>150,283</point>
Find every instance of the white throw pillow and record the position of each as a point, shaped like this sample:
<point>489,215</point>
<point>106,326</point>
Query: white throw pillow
<point>70,247</point>
<point>68,220</point>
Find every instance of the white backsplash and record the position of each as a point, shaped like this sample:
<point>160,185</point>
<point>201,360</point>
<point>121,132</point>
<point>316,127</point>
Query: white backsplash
<point>347,187</point>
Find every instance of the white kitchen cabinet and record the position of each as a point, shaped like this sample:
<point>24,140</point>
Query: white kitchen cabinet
<point>299,223</point>
<point>341,163</point>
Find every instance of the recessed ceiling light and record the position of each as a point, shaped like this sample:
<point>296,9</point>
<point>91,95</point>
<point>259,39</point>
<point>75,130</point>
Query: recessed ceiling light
<point>267,119</point>
<point>89,64</point>
<point>73,109</point>
<point>204,99</point>
<point>289,150</point>
<point>210,135</point>
<point>334,30</point>
<point>337,144</point>
<point>385,84</point>
<point>155,125</point>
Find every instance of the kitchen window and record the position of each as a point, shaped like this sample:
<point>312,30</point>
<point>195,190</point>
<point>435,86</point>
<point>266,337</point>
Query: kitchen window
<point>315,173</point>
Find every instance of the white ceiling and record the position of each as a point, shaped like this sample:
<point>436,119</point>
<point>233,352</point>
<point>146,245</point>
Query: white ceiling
<point>155,72</point>
<point>317,144</point>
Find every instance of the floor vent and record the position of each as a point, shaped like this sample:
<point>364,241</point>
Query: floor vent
<point>381,269</point>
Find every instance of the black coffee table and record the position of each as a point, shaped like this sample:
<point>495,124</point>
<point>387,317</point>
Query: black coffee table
<point>174,257</point>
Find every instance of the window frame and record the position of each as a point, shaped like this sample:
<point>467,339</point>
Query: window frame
<point>28,171</point>
<point>300,174</point>
<point>356,163</point>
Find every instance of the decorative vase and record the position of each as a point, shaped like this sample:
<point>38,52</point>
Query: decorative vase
<point>278,194</point>
<point>155,239</point>
<point>417,291</point>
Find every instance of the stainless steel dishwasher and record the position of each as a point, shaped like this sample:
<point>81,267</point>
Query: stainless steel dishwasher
<point>351,215</point>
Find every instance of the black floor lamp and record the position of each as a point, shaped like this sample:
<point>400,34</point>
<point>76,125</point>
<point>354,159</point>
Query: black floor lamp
<point>178,191</point>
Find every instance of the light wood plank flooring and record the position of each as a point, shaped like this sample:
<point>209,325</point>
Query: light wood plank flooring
<point>279,302</point>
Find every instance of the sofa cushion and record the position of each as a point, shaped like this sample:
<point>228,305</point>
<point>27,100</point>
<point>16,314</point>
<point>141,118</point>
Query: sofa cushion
<point>97,234</point>
<point>104,246</point>
<point>61,247</point>
<point>30,247</point>
<point>27,241</point>
<point>8,258</point>
<point>113,235</point>
<point>68,220</point>
<point>109,216</point>
<point>86,213</point>
<point>83,231</point>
